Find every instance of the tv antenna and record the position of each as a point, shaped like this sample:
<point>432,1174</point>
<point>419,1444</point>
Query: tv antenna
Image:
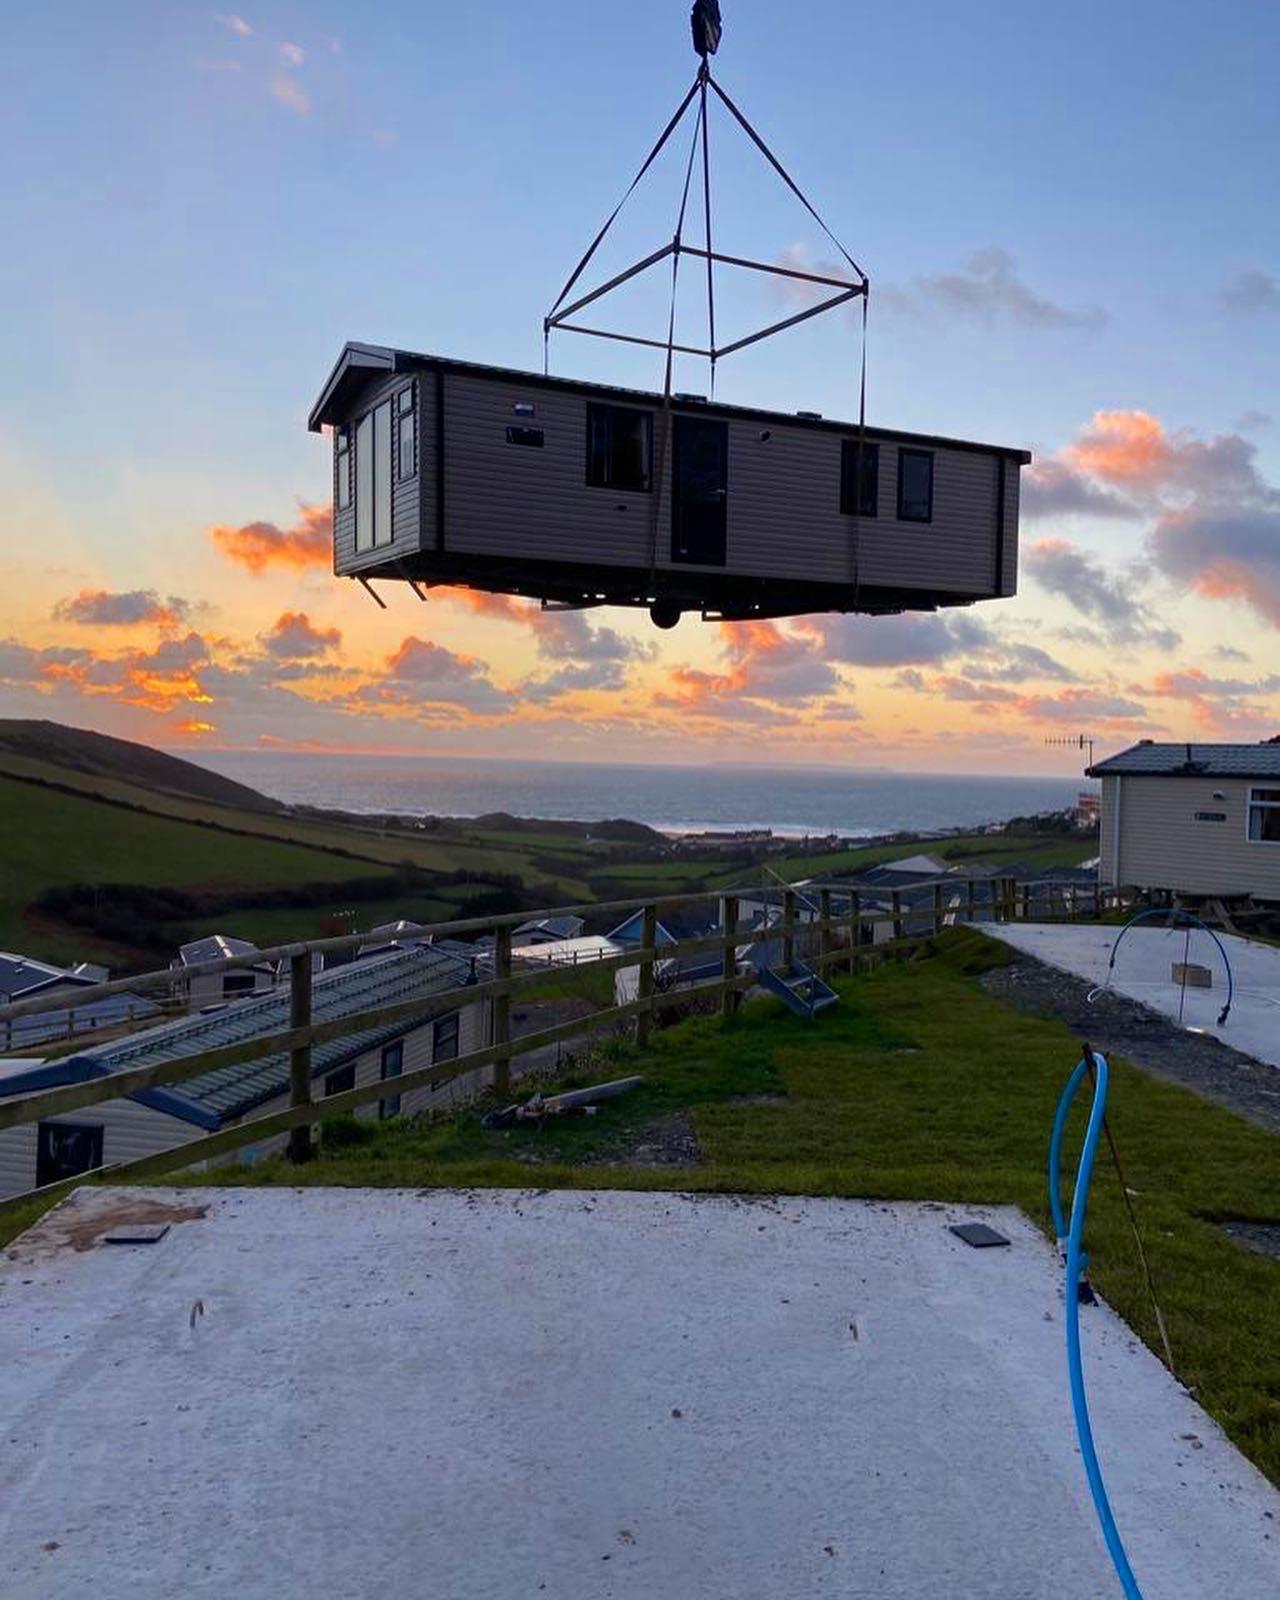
<point>1078,741</point>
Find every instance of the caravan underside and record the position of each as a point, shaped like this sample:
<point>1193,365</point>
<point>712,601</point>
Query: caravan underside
<point>666,595</point>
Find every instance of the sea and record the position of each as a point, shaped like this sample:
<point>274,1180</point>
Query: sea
<point>790,801</point>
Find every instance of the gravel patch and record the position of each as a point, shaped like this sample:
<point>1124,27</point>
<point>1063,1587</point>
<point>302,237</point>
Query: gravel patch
<point>1114,1023</point>
<point>1262,1237</point>
<point>669,1142</point>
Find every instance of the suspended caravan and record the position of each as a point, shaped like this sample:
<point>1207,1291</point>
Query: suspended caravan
<point>580,494</point>
<point>575,493</point>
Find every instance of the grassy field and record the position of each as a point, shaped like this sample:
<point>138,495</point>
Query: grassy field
<point>51,838</point>
<point>443,850</point>
<point>920,1087</point>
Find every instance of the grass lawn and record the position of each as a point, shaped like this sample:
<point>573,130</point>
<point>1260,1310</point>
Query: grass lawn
<point>919,1086</point>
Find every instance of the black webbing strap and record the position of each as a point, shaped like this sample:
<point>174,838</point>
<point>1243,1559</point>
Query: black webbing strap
<point>706,206</point>
<point>784,174</point>
<point>613,215</point>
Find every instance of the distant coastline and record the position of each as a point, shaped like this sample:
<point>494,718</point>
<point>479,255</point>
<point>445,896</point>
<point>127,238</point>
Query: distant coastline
<point>788,802</point>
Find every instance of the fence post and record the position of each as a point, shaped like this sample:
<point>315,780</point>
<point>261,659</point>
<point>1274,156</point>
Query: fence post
<point>644,990</point>
<point>729,962</point>
<point>826,940</point>
<point>502,1013</point>
<point>937,909</point>
<point>1024,895</point>
<point>788,929</point>
<point>300,1057</point>
<point>855,929</point>
<point>971,908</point>
<point>896,901</point>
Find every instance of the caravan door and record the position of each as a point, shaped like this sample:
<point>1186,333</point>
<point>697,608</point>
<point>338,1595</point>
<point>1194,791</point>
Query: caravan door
<point>699,491</point>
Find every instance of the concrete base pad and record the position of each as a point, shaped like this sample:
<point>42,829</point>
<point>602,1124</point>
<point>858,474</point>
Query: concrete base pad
<point>1144,971</point>
<point>378,1393</point>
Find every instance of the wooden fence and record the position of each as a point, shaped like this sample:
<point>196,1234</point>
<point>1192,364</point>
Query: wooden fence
<point>829,942</point>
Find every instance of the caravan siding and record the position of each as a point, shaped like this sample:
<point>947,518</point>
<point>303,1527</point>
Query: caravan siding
<point>1157,833</point>
<point>783,501</point>
<point>408,533</point>
<point>536,498</point>
<point>129,1131</point>
<point>473,1034</point>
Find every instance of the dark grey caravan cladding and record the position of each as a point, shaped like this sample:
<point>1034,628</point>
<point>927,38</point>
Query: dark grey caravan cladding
<point>582,494</point>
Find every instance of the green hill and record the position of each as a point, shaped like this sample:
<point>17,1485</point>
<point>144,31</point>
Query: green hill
<point>99,755</point>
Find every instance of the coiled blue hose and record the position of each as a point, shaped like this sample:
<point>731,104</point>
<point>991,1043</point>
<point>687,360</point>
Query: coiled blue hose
<point>1076,1261</point>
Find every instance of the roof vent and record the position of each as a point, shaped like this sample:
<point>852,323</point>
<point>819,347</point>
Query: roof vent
<point>691,399</point>
<point>810,416</point>
<point>1146,741</point>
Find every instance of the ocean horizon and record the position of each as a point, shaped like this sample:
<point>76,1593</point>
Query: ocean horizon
<point>794,801</point>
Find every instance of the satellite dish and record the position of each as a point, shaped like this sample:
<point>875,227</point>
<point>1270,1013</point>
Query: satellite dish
<point>704,19</point>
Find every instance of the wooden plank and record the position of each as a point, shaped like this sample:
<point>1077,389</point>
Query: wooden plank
<point>502,1014</point>
<point>648,939</point>
<point>729,961</point>
<point>300,1055</point>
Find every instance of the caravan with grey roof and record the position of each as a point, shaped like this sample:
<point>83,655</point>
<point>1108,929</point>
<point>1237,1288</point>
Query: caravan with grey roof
<point>445,472</point>
<point>1193,819</point>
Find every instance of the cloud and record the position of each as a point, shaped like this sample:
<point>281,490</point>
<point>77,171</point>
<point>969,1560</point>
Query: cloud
<point>128,609</point>
<point>289,92</point>
<point>421,673</point>
<point>575,678</point>
<point>1081,705</point>
<point>292,637</point>
<point>234,24</point>
<point>1224,554</point>
<point>256,546</point>
<point>1133,450</point>
<point>762,663</point>
<point>293,55</point>
<point>1251,421</point>
<point>909,639</point>
<point>987,291</point>
<point>1052,487</point>
<point>1106,600</point>
<point>1250,293</point>
<point>1228,652</point>
<point>568,636</point>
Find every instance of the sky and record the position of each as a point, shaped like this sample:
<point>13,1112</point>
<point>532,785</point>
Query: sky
<point>1070,217</point>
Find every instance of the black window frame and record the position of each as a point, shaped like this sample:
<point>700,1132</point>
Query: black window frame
<point>868,476</point>
<point>406,411</point>
<point>1263,800</point>
<point>904,451</point>
<point>390,1107</point>
<point>598,411</point>
<point>344,488</point>
<point>47,1169</point>
<point>340,1079</point>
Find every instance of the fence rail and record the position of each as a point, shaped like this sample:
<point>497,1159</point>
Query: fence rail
<point>829,940</point>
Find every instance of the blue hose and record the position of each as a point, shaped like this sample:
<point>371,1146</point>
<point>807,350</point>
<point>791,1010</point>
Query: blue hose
<point>1072,1230</point>
<point>1189,916</point>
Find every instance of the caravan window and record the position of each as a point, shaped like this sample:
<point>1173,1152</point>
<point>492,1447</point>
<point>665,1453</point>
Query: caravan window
<point>915,485</point>
<point>344,468</point>
<point>364,483</point>
<point>619,447</point>
<point>859,489</point>
<point>406,442</point>
<point>1264,816</point>
<point>392,1067</point>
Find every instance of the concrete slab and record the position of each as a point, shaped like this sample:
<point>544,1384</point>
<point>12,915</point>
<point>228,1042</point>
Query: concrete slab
<point>1143,971</point>
<point>377,1393</point>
